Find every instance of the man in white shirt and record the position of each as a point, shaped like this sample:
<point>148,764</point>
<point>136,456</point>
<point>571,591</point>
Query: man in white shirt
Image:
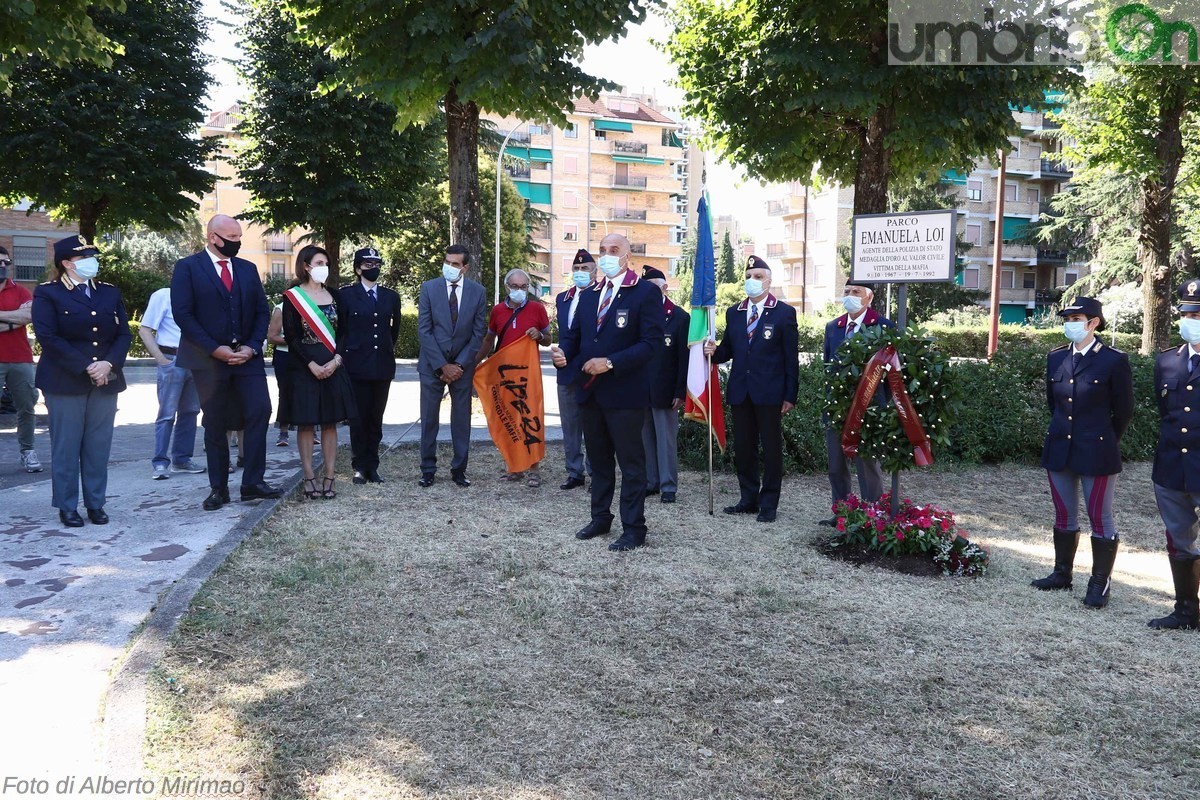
<point>583,276</point>
<point>178,401</point>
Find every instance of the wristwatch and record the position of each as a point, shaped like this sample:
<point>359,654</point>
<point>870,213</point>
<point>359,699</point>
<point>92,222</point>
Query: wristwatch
<point>608,363</point>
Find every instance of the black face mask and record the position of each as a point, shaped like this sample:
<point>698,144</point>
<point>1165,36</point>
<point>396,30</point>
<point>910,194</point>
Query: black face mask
<point>227,248</point>
<point>370,273</point>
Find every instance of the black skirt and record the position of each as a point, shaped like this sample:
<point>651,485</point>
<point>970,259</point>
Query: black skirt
<point>309,401</point>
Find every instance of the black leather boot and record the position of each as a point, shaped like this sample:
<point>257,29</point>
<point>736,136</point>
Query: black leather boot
<point>1186,616</point>
<point>1065,544</point>
<point>1104,553</point>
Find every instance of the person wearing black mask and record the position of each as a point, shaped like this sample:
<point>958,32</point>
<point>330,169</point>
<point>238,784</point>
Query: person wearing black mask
<point>372,315</point>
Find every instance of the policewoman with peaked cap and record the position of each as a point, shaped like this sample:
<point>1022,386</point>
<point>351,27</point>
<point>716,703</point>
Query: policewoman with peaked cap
<point>1176,473</point>
<point>84,334</point>
<point>1089,390</point>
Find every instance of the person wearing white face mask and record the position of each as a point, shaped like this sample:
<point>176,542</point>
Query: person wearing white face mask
<point>583,277</point>
<point>1176,474</point>
<point>319,390</point>
<point>16,359</point>
<point>83,330</point>
<point>858,319</point>
<point>1089,391</point>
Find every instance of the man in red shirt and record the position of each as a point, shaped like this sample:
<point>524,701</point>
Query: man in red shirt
<point>16,358</point>
<point>519,315</point>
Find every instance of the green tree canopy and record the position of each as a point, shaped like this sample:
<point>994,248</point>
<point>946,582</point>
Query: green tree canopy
<point>55,31</point>
<point>114,146</point>
<point>726,264</point>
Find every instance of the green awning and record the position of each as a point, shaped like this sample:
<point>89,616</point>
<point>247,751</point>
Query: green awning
<point>675,142</point>
<point>955,177</point>
<point>540,154</point>
<point>613,125</point>
<point>637,160</point>
<point>1014,227</point>
<point>1012,314</point>
<point>534,192</point>
<point>517,152</point>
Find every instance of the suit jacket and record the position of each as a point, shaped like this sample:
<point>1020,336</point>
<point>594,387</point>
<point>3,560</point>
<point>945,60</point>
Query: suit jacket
<point>632,327</point>
<point>372,328</point>
<point>668,369</point>
<point>208,316</point>
<point>562,310</point>
<point>1090,408</point>
<point>835,331</point>
<point>442,344</point>
<point>74,331</point>
<point>1177,459</point>
<point>765,369</point>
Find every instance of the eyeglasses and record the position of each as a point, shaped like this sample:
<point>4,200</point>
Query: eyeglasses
<point>5,263</point>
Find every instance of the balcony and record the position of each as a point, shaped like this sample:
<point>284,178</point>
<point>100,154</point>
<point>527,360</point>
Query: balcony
<point>1045,209</point>
<point>637,215</point>
<point>1021,166</point>
<point>517,172</point>
<point>628,182</point>
<point>776,208</point>
<point>1047,256</point>
<point>1050,124</point>
<point>540,176</point>
<point>1015,208</point>
<point>626,146</point>
<point>1053,169</point>
<point>519,137</point>
<point>1047,297</point>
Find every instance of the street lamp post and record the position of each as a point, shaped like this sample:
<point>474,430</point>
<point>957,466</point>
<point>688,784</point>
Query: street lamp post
<point>499,158</point>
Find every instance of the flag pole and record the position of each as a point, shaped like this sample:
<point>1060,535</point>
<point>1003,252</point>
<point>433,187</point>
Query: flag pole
<point>708,415</point>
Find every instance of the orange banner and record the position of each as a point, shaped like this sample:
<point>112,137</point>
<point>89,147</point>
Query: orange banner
<point>509,385</point>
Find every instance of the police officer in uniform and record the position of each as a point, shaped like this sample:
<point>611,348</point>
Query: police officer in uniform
<point>373,325</point>
<point>583,277</point>
<point>1089,390</point>
<point>1176,473</point>
<point>761,338</point>
<point>83,330</point>
<point>668,390</point>
<point>608,349</point>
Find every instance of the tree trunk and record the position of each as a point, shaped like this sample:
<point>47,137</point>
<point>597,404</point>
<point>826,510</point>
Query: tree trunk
<point>1154,234</point>
<point>89,217</point>
<point>874,164</point>
<point>333,246</point>
<point>462,147</point>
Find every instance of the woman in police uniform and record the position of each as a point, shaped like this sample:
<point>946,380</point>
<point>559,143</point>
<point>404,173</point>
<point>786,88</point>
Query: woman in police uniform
<point>1089,389</point>
<point>83,331</point>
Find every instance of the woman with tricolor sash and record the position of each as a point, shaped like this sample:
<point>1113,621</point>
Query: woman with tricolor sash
<point>319,390</point>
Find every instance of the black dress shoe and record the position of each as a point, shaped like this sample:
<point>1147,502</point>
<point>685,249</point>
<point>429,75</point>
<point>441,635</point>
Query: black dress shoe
<point>373,476</point>
<point>628,541</point>
<point>593,529</point>
<point>667,497</point>
<point>766,515</point>
<point>263,491</point>
<point>359,479</point>
<point>70,518</point>
<point>216,498</point>
<point>571,483</point>
<point>426,480</point>
<point>741,508</point>
<point>651,492</point>
<point>460,479</point>
<point>828,522</point>
<point>97,516</point>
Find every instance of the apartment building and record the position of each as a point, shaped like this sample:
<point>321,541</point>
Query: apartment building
<point>619,165</point>
<point>29,237</point>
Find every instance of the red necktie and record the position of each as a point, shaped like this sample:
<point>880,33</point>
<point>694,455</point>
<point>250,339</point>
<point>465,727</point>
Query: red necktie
<point>226,275</point>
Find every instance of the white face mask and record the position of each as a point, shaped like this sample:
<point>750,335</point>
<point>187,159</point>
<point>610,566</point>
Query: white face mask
<point>87,268</point>
<point>1189,329</point>
<point>754,287</point>
<point>319,274</point>
<point>451,272</point>
<point>609,265</point>
<point>852,304</point>
<point>516,295</point>
<point>1075,331</point>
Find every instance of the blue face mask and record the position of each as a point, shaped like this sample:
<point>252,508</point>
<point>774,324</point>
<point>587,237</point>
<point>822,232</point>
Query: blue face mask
<point>1189,329</point>
<point>1075,331</point>
<point>451,272</point>
<point>581,279</point>
<point>754,287</point>
<point>517,296</point>
<point>852,304</point>
<point>610,265</point>
<point>87,268</point>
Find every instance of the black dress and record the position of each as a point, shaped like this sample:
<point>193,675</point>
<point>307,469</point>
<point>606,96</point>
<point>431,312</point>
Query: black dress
<point>309,401</point>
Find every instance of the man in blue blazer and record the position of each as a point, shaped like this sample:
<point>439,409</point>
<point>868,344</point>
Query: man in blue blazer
<point>859,316</point>
<point>583,277</point>
<point>761,338</point>
<point>219,305</point>
<point>668,391</point>
<point>608,349</point>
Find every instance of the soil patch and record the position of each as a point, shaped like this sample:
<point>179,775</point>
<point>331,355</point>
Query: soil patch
<point>862,556</point>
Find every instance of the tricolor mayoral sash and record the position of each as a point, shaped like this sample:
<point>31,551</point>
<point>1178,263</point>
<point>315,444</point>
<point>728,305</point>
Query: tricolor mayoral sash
<point>313,316</point>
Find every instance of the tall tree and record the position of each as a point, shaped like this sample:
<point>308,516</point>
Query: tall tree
<point>332,162</point>
<point>113,146</point>
<point>464,56</point>
<point>1140,121</point>
<point>726,268</point>
<point>56,31</point>
<point>818,75</point>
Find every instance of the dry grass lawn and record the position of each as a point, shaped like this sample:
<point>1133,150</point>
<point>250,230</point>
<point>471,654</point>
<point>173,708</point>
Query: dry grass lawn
<point>450,643</point>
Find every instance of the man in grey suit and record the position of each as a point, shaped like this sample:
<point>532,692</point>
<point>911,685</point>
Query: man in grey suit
<point>451,322</point>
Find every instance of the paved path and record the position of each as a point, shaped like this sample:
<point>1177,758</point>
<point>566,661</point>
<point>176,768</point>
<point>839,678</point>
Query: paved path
<point>70,599</point>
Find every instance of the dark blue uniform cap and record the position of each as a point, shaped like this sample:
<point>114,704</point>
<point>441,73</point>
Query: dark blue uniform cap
<point>582,256</point>
<point>367,254</point>
<point>1089,306</point>
<point>650,273</point>
<point>1189,296</point>
<point>754,262</point>
<point>71,247</point>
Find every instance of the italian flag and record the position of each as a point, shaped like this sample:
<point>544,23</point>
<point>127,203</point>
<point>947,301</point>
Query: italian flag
<point>701,381</point>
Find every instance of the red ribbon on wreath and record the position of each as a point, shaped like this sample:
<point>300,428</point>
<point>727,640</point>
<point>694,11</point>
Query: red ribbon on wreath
<point>887,361</point>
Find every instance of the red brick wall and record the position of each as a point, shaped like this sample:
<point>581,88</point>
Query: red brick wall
<point>38,223</point>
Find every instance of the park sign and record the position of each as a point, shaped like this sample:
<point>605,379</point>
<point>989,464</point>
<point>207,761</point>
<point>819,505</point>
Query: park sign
<point>913,247</point>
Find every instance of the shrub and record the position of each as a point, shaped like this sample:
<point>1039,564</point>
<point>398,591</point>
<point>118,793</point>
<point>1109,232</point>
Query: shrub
<point>915,530</point>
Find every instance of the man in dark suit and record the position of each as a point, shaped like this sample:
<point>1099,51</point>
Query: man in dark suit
<point>219,305</point>
<point>762,340</point>
<point>372,326</point>
<point>1176,472</point>
<point>451,322</point>
<point>668,390</point>
<point>583,277</point>
<point>859,315</point>
<point>608,349</point>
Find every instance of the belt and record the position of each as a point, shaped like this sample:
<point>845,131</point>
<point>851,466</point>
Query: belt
<point>170,351</point>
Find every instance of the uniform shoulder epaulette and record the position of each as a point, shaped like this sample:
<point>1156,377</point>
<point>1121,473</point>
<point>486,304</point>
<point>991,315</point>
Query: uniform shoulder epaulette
<point>102,283</point>
<point>1170,349</point>
<point>1061,347</point>
<point>46,283</point>
<point>1116,350</point>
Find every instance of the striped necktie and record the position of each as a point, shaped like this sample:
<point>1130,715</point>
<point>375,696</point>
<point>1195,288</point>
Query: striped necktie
<point>605,302</point>
<point>752,323</point>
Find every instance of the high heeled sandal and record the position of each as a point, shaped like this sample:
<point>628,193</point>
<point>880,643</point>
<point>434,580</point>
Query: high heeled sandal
<point>327,492</point>
<point>313,493</point>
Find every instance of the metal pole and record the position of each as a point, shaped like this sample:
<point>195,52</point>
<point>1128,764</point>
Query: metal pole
<point>708,414</point>
<point>499,158</point>
<point>997,247</point>
<point>902,324</point>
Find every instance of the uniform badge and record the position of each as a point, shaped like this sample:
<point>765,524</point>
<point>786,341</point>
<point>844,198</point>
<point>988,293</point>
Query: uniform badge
<point>83,242</point>
<point>1192,287</point>
<point>622,318</point>
<point>1164,393</point>
<point>768,331</point>
<point>667,341</point>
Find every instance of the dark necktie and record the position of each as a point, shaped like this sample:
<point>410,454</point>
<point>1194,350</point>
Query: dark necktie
<point>1075,361</point>
<point>453,306</point>
<point>752,323</point>
<point>371,292</point>
<point>88,291</point>
<point>605,302</point>
<point>226,275</point>
<point>1192,362</point>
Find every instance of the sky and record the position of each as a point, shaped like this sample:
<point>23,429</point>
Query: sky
<point>634,62</point>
